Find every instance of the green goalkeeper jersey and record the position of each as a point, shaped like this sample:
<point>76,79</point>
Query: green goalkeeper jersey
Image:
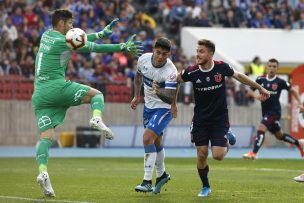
<point>53,56</point>
<point>52,59</point>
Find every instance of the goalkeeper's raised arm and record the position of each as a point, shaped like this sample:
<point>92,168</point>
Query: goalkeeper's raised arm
<point>106,32</point>
<point>135,48</point>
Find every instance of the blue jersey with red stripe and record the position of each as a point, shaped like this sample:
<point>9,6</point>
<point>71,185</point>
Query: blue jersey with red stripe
<point>275,86</point>
<point>209,92</point>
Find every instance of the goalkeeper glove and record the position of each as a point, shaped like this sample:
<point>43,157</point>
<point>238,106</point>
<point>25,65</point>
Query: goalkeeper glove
<point>107,31</point>
<point>134,48</point>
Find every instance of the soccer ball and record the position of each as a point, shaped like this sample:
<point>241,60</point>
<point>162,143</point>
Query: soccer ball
<point>76,38</point>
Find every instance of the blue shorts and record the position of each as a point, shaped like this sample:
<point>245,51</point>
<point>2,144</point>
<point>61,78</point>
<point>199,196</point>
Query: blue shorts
<point>217,134</point>
<point>157,119</point>
<point>272,122</point>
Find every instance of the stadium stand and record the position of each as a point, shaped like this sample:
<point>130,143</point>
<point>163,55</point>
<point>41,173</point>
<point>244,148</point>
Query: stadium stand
<point>23,22</point>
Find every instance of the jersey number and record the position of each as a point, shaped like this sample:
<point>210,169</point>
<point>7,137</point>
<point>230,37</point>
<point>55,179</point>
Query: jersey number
<point>39,63</point>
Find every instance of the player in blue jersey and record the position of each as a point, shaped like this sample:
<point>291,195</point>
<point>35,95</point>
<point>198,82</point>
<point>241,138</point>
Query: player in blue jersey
<point>158,74</point>
<point>210,121</point>
<point>271,109</point>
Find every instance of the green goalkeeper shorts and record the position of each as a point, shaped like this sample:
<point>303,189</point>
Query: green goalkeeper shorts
<point>51,103</point>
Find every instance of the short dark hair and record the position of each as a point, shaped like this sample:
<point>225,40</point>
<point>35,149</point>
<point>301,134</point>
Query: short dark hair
<point>207,43</point>
<point>273,60</point>
<point>61,14</point>
<point>163,43</point>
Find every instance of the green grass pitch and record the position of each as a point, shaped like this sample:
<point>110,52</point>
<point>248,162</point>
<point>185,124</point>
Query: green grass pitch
<point>114,179</point>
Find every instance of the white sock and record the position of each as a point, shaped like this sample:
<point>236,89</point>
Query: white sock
<point>149,163</point>
<point>160,163</point>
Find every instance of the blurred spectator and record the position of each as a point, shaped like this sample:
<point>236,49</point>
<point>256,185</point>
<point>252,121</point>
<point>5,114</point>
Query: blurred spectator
<point>13,69</point>
<point>28,67</point>
<point>5,41</point>
<point>71,72</point>
<point>3,17</point>
<point>98,78</point>
<point>85,73</point>
<point>1,71</point>
<point>231,20</point>
<point>230,90</point>
<point>11,29</point>
<point>31,18</point>
<point>241,97</point>
<point>178,14</point>
<point>256,67</point>
<point>17,18</point>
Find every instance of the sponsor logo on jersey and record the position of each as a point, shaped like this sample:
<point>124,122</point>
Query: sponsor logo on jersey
<point>204,89</point>
<point>172,76</point>
<point>218,77</point>
<point>274,86</point>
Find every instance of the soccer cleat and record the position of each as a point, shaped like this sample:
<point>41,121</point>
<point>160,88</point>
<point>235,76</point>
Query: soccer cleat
<point>250,155</point>
<point>160,182</point>
<point>97,123</point>
<point>44,181</point>
<point>146,186</point>
<point>231,137</point>
<point>206,191</point>
<point>299,179</point>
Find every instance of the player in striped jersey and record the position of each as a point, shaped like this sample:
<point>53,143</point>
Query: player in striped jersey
<point>158,74</point>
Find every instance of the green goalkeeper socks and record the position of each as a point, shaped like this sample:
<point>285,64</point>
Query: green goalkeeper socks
<point>97,105</point>
<point>42,153</point>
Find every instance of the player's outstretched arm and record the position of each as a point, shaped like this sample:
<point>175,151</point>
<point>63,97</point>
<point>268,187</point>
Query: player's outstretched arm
<point>135,48</point>
<point>166,95</point>
<point>296,95</point>
<point>137,88</point>
<point>106,32</point>
<point>264,94</point>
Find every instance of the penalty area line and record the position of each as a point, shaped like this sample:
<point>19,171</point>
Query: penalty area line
<point>40,200</point>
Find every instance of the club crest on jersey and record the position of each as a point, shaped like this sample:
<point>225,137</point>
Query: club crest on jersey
<point>274,86</point>
<point>172,76</point>
<point>207,79</point>
<point>218,77</point>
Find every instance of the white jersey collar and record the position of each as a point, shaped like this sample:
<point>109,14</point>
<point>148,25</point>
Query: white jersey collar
<point>199,66</point>
<point>272,79</point>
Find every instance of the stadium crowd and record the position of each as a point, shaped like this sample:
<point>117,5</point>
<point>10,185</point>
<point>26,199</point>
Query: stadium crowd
<point>22,23</point>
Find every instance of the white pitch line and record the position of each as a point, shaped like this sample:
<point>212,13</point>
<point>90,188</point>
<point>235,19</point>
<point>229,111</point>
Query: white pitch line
<point>40,200</point>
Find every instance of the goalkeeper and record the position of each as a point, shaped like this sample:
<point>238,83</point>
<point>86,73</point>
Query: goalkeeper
<point>53,95</point>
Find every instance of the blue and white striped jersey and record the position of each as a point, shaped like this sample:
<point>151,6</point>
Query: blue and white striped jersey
<point>165,76</point>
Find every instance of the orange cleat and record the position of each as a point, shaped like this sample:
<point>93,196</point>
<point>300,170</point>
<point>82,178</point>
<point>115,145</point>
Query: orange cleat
<point>250,155</point>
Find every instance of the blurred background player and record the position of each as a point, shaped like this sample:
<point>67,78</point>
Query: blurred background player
<point>159,74</point>
<point>271,109</point>
<point>256,67</point>
<point>210,121</point>
<point>53,95</point>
